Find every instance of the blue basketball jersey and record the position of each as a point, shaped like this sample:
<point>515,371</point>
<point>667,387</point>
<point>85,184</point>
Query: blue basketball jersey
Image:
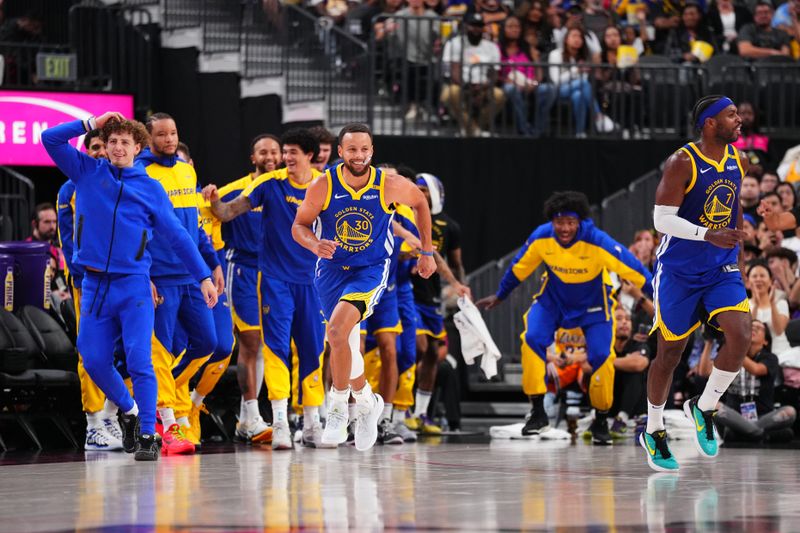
<point>360,221</point>
<point>711,201</point>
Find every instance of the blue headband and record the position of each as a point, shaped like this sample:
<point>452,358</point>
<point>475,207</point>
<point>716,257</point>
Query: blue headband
<point>566,214</point>
<point>712,110</point>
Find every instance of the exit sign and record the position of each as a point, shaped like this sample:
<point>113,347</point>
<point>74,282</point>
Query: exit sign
<point>56,67</point>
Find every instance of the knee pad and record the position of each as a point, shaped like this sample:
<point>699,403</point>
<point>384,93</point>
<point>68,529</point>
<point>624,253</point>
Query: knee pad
<point>356,359</point>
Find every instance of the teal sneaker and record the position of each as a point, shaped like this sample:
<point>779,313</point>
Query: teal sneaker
<point>705,435</point>
<point>659,457</point>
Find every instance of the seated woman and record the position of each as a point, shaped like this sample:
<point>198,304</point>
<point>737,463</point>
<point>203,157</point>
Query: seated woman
<point>747,408</point>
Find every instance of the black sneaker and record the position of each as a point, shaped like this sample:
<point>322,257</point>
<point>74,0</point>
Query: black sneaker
<point>130,431</point>
<point>600,433</point>
<point>351,434</point>
<point>387,434</point>
<point>147,448</point>
<point>536,423</point>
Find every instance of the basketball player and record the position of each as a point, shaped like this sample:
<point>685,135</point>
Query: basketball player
<point>111,237</point>
<point>181,300</point>
<point>326,141</point>
<point>287,298</point>
<point>575,293</point>
<point>102,428</point>
<point>354,204</point>
<point>243,236</point>
<point>191,403</point>
<point>699,262</point>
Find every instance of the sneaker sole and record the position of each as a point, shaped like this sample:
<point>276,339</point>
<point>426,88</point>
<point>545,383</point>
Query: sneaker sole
<point>394,441</point>
<point>372,420</point>
<point>687,410</point>
<point>93,448</point>
<point>650,462</point>
<point>600,442</point>
<point>265,437</point>
<point>535,432</point>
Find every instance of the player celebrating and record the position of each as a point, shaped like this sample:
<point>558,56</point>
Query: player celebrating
<point>118,206</point>
<point>699,262</point>
<point>575,293</point>
<point>354,204</point>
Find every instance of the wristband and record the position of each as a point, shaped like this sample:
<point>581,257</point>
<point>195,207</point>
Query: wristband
<point>427,254</point>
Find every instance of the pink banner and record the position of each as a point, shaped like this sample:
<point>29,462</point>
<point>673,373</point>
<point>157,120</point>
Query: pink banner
<point>24,115</point>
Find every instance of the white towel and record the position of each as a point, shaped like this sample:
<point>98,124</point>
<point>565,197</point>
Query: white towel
<point>475,337</point>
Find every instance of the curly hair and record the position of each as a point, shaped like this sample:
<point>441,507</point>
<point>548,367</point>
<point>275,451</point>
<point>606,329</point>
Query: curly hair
<point>561,201</point>
<point>302,138</point>
<point>135,128</point>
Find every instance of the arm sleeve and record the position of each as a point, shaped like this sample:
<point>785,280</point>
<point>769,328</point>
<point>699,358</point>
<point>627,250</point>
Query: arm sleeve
<point>167,224</point>
<point>207,249</point>
<point>74,163</point>
<point>524,263</point>
<point>667,221</point>
<point>617,258</point>
<point>66,222</point>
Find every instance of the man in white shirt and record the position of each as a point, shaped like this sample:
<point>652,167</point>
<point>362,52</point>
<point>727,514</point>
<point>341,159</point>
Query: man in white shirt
<point>471,94</point>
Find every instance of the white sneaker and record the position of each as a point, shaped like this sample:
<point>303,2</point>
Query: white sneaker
<point>111,425</point>
<point>367,423</point>
<point>281,436</point>
<point>312,437</point>
<point>256,431</point>
<point>402,429</point>
<point>98,439</point>
<point>336,426</point>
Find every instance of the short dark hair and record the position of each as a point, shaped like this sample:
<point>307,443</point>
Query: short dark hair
<point>406,171</point>
<point>767,335</point>
<point>354,127</point>
<point>44,206</point>
<point>560,201</point>
<point>261,137</point>
<point>322,134</point>
<point>302,138</point>
<point>87,139</point>
<point>759,263</point>
<point>752,177</point>
<point>183,147</point>
<point>783,253</point>
<point>755,250</point>
<point>155,117</point>
<point>772,193</point>
<point>703,104</point>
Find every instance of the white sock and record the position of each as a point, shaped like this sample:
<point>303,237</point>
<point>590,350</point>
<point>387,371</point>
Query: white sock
<point>183,421</point>
<point>134,410</point>
<point>423,399</point>
<point>364,396</point>
<point>398,415</point>
<point>339,396</point>
<point>251,410</point>
<point>197,398</point>
<point>718,382</point>
<point>110,410</point>
<point>655,417</point>
<point>310,415</point>
<point>94,420</point>
<point>279,408</point>
<point>167,417</point>
<point>242,411</point>
<point>387,412</point>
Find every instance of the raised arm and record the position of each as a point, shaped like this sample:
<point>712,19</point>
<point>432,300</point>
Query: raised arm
<point>226,211</point>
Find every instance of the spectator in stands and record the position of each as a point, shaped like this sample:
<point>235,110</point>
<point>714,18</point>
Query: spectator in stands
<point>644,247</point>
<point>692,41</point>
<point>749,226</point>
<point>595,17</point>
<point>751,252</point>
<point>385,25</point>
<point>44,228</point>
<point>766,238</point>
<point>437,6</point>
<point>471,95</point>
<point>336,10</point>
<point>769,180</point>
<point>326,141</point>
<point>788,195</point>
<point>417,34</point>
<point>575,20</point>
<point>748,407</point>
<point>358,20</point>
<point>569,69</point>
<point>630,380</point>
<point>25,29</point>
<point>749,196</point>
<point>727,20</point>
<point>535,20</point>
<point>786,18</point>
<point>520,82</point>
<point>754,144</point>
<point>759,39</point>
<point>666,15</point>
<point>493,12</point>
<point>782,264</point>
<point>767,305</point>
<point>619,88</point>
<point>630,37</point>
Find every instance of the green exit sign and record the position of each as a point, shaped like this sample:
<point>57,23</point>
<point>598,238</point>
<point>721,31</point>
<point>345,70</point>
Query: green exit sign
<point>56,67</point>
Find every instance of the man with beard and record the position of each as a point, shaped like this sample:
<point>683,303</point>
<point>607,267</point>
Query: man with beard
<point>103,432</point>
<point>699,269</point>
<point>749,197</point>
<point>181,300</point>
<point>326,141</point>
<point>352,208</point>
<point>243,236</point>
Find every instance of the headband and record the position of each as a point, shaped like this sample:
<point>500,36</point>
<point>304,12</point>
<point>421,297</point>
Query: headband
<point>712,110</point>
<point>566,214</point>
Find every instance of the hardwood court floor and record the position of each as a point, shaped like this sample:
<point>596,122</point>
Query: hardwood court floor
<point>469,485</point>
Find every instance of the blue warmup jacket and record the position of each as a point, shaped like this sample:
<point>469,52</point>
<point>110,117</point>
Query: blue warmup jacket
<point>577,280</point>
<point>179,180</point>
<point>117,210</point>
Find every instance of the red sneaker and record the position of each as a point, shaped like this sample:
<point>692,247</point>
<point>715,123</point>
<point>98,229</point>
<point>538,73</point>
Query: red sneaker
<point>174,442</point>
